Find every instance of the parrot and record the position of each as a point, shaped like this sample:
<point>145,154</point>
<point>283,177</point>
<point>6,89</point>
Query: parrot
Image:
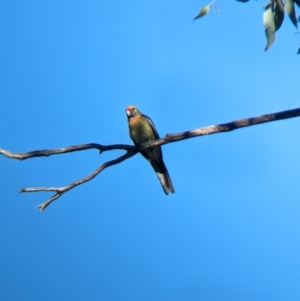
<point>142,130</point>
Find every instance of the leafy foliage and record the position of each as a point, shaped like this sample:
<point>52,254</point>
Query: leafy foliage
<point>273,16</point>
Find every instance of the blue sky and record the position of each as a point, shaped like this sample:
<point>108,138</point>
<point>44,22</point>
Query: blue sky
<point>231,230</point>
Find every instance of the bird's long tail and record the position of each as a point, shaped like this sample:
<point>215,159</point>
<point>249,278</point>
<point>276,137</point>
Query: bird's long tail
<point>163,177</point>
<point>165,181</point>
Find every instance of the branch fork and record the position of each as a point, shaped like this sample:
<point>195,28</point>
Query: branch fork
<point>131,150</point>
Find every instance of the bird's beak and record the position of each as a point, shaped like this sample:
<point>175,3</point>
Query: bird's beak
<point>131,113</point>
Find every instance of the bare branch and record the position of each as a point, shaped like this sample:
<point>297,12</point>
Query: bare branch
<point>224,127</point>
<point>61,190</point>
<point>69,149</point>
<point>132,150</point>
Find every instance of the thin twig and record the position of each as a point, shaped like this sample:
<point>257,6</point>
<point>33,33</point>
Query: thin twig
<point>63,150</point>
<point>61,190</point>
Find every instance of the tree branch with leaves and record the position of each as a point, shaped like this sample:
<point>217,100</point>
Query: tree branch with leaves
<point>273,16</point>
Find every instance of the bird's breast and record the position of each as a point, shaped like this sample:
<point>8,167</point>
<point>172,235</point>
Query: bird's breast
<point>141,132</point>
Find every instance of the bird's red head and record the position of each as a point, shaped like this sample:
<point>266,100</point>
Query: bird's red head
<point>131,111</point>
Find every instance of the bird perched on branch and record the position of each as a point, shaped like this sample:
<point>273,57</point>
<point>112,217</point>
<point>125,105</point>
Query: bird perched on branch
<point>142,130</point>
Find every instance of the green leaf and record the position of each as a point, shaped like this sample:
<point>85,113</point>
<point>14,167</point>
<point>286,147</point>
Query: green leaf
<point>269,24</point>
<point>272,19</point>
<point>278,10</point>
<point>290,9</point>
<point>204,10</point>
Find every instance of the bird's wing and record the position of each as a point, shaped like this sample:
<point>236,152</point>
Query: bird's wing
<point>132,138</point>
<point>152,126</point>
